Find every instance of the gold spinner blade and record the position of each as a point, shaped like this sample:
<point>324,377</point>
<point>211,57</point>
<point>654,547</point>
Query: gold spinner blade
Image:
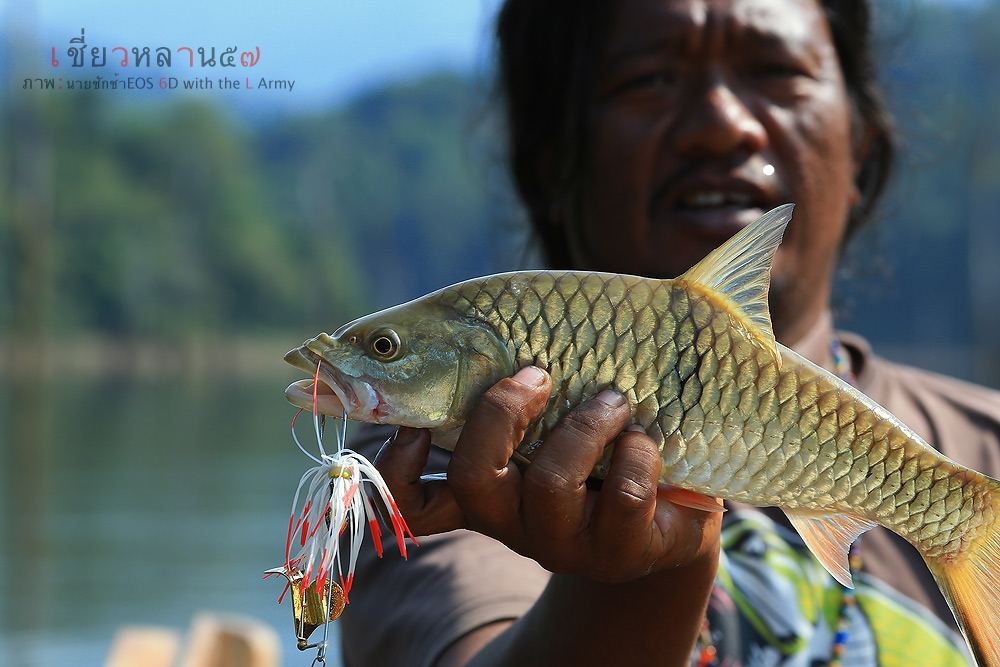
<point>309,608</point>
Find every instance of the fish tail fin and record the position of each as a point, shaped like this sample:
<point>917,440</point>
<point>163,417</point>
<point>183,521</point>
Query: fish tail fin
<point>970,583</point>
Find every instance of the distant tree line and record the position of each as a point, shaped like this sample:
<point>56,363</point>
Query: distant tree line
<point>162,221</point>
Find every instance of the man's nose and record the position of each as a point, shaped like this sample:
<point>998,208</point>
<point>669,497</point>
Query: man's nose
<point>716,121</point>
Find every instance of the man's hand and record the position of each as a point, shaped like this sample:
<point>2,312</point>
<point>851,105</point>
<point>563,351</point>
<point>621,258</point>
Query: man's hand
<point>546,512</point>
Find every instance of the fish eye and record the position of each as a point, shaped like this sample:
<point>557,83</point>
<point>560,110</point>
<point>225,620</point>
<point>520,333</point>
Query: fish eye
<point>384,344</point>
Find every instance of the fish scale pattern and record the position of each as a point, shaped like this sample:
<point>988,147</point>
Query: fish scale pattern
<point>590,331</point>
<point>727,420</point>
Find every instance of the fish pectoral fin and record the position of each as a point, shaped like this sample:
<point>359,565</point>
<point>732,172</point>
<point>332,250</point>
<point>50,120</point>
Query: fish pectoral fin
<point>692,499</point>
<point>829,538</point>
<point>446,437</point>
<point>740,270</point>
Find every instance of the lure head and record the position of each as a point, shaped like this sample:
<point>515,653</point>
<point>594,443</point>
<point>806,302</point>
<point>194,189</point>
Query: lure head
<point>418,365</point>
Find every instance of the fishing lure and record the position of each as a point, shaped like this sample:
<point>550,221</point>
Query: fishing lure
<point>338,497</point>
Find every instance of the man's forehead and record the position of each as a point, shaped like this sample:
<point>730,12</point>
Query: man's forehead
<point>638,22</point>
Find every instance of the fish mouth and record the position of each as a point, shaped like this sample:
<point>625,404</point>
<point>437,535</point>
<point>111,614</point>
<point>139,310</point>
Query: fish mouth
<point>335,392</point>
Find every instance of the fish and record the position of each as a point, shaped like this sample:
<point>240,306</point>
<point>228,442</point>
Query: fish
<point>734,413</point>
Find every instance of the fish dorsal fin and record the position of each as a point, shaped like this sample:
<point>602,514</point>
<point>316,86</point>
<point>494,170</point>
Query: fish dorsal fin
<point>829,538</point>
<point>740,270</point>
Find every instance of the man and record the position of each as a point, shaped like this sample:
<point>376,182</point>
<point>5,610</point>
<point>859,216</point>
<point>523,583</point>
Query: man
<point>644,133</point>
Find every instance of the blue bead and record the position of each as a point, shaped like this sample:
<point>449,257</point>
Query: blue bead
<point>840,637</point>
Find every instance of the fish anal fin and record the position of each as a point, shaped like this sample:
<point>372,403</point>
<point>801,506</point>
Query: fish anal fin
<point>739,270</point>
<point>829,538</point>
<point>692,499</point>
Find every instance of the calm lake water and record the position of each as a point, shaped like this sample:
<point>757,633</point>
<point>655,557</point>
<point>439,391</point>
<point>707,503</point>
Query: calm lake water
<point>126,501</point>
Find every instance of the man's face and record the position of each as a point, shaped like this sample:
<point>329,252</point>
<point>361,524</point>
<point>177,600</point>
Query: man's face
<point>705,114</point>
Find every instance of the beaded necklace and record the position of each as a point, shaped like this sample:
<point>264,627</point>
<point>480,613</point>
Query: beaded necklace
<point>708,655</point>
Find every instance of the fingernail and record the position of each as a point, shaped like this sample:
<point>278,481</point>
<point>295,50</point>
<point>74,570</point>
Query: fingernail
<point>611,398</point>
<point>635,428</point>
<point>530,376</point>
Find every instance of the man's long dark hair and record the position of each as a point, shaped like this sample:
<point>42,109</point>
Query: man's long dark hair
<point>547,58</point>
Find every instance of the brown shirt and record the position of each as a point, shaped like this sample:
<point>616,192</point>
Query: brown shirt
<point>407,613</point>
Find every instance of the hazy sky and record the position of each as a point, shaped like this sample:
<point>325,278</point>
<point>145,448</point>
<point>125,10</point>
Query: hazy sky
<point>331,48</point>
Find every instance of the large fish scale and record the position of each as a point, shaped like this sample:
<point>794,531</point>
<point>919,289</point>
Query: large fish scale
<point>728,422</point>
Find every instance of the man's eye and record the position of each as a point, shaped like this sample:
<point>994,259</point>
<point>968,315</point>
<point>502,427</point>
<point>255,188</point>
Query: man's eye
<point>651,80</point>
<point>640,80</point>
<point>778,70</point>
